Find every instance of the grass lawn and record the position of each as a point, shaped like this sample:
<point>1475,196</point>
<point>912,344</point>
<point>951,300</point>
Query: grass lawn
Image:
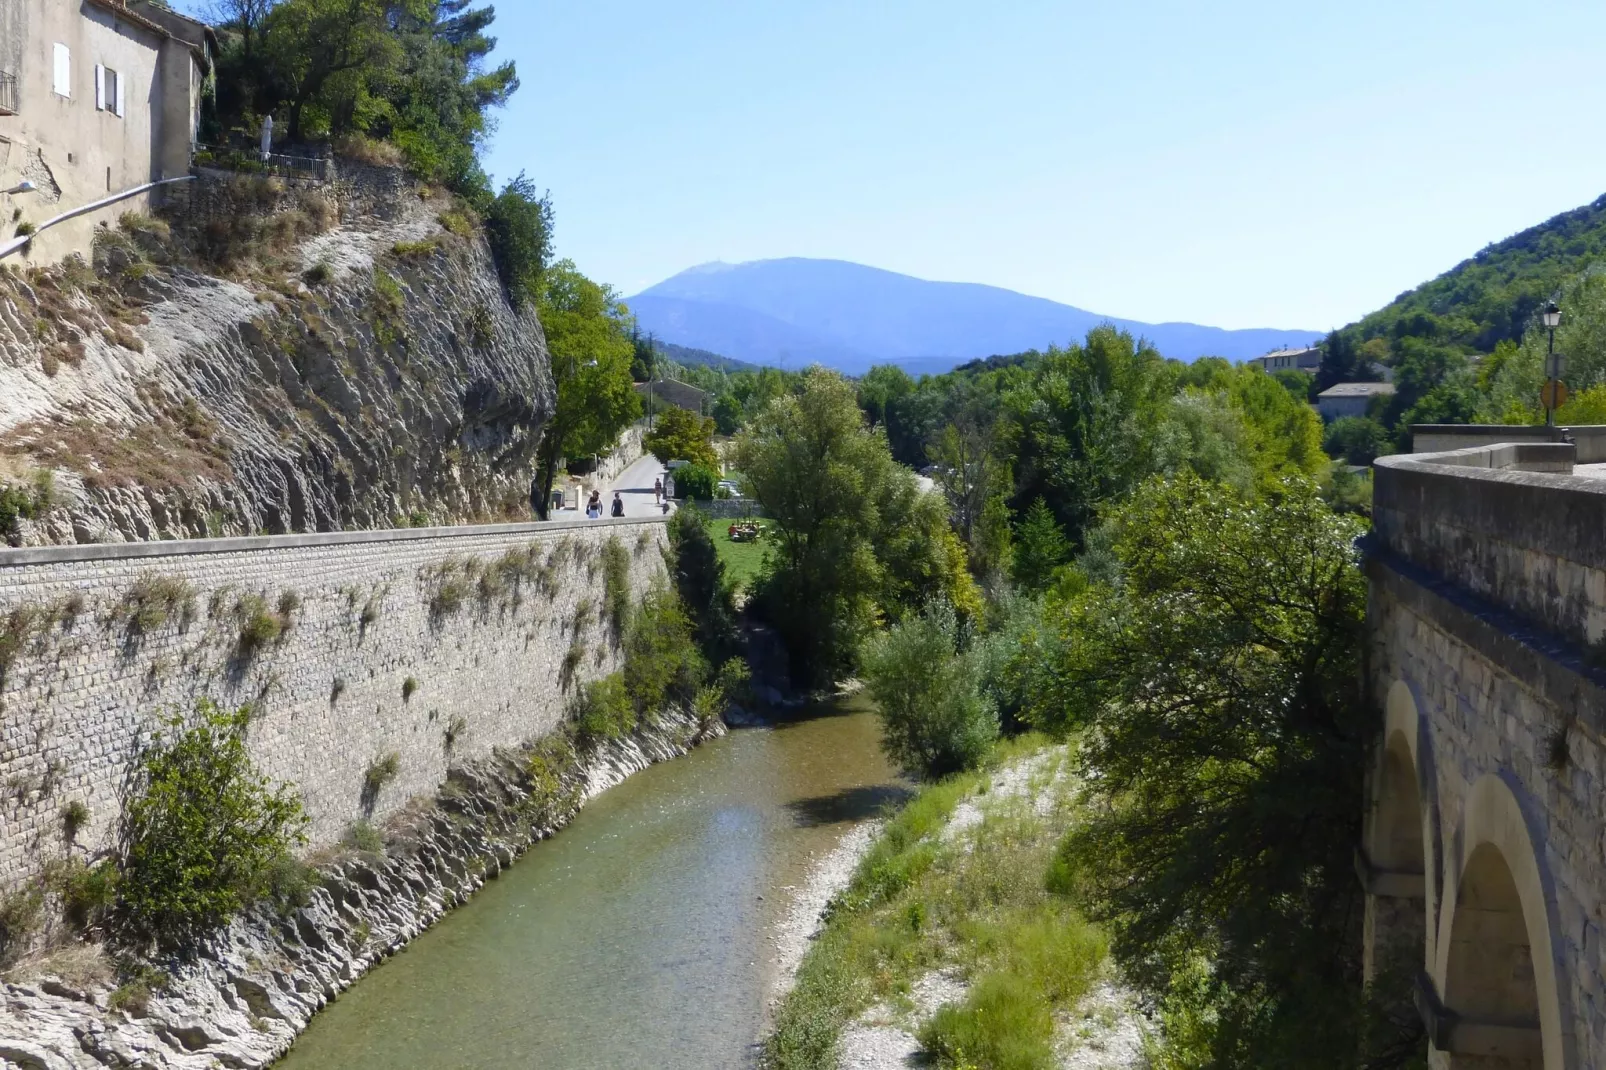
<point>742,559</point>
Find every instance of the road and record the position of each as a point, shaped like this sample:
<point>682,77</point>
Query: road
<point>634,485</point>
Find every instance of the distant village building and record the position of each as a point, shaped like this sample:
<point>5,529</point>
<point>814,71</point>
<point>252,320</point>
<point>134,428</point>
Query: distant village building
<point>1305,360</point>
<point>96,97</point>
<point>1350,399</point>
<point>661,392</point>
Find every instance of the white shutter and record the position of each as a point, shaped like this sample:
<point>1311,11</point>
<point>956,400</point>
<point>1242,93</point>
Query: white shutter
<point>62,80</point>
<point>119,79</point>
<point>100,88</point>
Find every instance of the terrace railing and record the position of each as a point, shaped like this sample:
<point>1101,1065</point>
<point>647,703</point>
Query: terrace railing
<point>8,93</point>
<point>246,161</point>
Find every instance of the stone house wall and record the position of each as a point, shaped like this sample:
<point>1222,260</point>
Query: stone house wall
<point>493,662</point>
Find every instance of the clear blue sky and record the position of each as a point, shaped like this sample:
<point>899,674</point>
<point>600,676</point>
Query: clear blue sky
<point>1238,164</point>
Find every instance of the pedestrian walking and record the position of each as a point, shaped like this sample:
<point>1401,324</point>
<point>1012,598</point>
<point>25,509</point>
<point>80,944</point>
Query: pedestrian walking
<point>618,508</point>
<point>658,491</point>
<point>594,506</point>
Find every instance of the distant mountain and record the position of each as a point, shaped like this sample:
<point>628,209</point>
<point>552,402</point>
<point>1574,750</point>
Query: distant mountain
<point>796,312</point>
<point>689,357</point>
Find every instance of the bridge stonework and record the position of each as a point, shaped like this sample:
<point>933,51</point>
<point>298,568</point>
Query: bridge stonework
<point>1484,850</point>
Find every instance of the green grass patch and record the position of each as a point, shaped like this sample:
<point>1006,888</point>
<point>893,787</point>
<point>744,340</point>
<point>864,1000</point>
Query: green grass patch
<point>979,903</point>
<point>742,559</point>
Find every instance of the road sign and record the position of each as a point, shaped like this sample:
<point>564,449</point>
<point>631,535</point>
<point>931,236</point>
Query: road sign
<point>1553,395</point>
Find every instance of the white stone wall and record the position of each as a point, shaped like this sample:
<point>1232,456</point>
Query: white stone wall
<point>81,692</point>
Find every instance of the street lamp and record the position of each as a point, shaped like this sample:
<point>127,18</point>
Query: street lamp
<point>21,187</point>
<point>1550,316</point>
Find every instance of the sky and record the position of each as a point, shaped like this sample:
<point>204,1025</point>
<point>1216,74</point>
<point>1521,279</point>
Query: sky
<point>1238,164</point>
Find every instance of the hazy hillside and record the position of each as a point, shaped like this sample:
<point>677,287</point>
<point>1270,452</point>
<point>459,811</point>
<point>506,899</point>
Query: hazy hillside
<point>1492,297</point>
<point>797,311</point>
<point>686,356</point>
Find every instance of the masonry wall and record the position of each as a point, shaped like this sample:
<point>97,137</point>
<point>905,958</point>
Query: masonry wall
<point>494,661</point>
<point>1494,697</point>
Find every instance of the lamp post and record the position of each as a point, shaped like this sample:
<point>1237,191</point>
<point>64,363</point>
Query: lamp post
<point>21,187</point>
<point>1550,316</point>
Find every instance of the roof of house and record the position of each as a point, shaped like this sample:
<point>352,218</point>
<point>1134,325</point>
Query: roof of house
<point>164,22</point>
<point>1356,390</point>
<point>1295,352</point>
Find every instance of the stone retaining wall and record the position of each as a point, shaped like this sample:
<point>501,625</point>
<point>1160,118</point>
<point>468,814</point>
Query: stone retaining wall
<point>494,656</point>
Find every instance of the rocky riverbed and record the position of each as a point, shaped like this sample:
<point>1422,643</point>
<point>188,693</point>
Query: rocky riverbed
<point>244,998</point>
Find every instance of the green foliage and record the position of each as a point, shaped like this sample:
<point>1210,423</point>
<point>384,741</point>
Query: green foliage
<point>202,830</point>
<point>21,914</point>
<point>588,339</point>
<point>933,719</point>
<point>409,688</point>
<point>74,816</point>
<point>518,225</point>
<point>18,503</point>
<point>605,710</point>
<point>1356,439</point>
<point>662,664</point>
<point>695,483</point>
<point>363,837</point>
<point>854,535</point>
<point>1222,680</point>
<point>1003,1024</point>
<point>616,586</point>
<point>416,250</point>
<point>728,414</point>
<point>261,627</point>
<point>702,584</point>
<point>1040,548</point>
<point>554,787</point>
<point>682,435</point>
<point>381,771</point>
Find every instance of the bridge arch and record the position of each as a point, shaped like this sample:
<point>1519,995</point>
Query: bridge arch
<point>1495,998</point>
<point>1398,847</point>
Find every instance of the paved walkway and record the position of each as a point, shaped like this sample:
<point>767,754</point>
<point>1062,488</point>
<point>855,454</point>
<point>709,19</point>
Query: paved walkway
<point>634,485</point>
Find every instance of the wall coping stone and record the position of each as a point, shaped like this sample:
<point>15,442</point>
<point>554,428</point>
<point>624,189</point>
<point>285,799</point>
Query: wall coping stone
<point>118,551</point>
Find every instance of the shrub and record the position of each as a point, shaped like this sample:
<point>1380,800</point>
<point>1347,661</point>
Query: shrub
<point>21,911</point>
<point>18,503</point>
<point>87,893</point>
<point>152,601</point>
<point>605,710</point>
<point>133,995</point>
<point>381,771</point>
<point>696,482</point>
<point>259,626</point>
<point>25,229</point>
<point>459,223</point>
<point>571,663</point>
<point>416,250</point>
<point>662,664</point>
<point>455,728</point>
<point>409,687</point>
<point>361,836</point>
<point>74,816</point>
<point>318,274</point>
<point>551,763</point>
<point>616,586</point>
<point>202,830</point>
<point>702,585</point>
<point>933,719</point>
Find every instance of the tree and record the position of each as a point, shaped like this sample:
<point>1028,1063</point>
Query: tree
<point>700,581</point>
<point>1222,684</point>
<point>587,336</point>
<point>1086,425</point>
<point>1357,439</point>
<point>682,435</point>
<point>308,44</point>
<point>728,416</point>
<point>518,226</point>
<point>1040,548</point>
<point>644,355</point>
<point>934,721</point>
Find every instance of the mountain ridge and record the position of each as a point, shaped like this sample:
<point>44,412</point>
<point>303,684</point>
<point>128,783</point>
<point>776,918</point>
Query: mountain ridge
<point>795,311</point>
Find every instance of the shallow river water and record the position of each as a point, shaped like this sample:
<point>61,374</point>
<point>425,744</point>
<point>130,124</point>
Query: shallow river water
<point>639,936</point>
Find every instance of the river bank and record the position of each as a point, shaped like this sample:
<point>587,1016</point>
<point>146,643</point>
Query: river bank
<point>924,927</point>
<point>243,999</point>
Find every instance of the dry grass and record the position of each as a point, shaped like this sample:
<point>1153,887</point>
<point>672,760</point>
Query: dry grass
<point>369,151</point>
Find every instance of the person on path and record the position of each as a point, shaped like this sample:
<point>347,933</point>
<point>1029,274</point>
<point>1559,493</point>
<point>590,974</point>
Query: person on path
<point>658,491</point>
<point>594,506</point>
<point>618,508</point>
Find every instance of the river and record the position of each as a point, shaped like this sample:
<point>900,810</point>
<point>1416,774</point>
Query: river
<point>639,936</point>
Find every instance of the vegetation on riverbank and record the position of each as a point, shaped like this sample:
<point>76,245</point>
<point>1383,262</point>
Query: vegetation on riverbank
<point>980,899</point>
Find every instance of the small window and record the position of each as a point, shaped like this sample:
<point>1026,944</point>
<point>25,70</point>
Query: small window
<point>108,90</point>
<point>62,80</point>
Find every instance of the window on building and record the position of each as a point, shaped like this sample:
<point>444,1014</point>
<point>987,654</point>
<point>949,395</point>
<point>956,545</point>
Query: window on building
<point>108,90</point>
<point>61,81</point>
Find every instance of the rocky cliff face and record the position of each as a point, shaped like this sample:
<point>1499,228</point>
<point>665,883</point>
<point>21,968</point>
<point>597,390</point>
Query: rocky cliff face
<point>270,358</point>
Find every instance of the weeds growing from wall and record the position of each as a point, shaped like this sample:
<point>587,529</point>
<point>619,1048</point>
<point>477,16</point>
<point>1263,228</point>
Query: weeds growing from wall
<point>409,688</point>
<point>261,627</point>
<point>615,587</point>
<point>381,771</point>
<point>74,816</point>
<point>153,601</point>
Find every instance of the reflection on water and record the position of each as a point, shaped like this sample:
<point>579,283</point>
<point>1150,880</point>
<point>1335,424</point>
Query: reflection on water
<point>634,938</point>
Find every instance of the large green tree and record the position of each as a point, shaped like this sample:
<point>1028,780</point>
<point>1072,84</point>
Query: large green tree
<point>1222,682</point>
<point>588,338</point>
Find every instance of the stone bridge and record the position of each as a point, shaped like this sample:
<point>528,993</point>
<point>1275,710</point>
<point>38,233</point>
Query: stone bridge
<point>1484,851</point>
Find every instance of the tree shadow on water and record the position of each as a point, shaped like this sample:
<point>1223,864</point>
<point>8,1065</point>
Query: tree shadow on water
<point>848,804</point>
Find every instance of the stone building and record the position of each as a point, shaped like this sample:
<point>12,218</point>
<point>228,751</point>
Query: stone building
<point>1304,359</point>
<point>1350,399</point>
<point>1484,850</point>
<point>96,97</point>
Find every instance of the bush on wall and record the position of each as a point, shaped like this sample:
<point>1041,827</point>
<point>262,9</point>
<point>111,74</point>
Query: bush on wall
<point>204,833</point>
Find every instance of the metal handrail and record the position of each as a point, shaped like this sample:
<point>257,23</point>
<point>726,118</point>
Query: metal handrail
<point>226,158</point>
<point>22,242</point>
<point>8,93</point>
